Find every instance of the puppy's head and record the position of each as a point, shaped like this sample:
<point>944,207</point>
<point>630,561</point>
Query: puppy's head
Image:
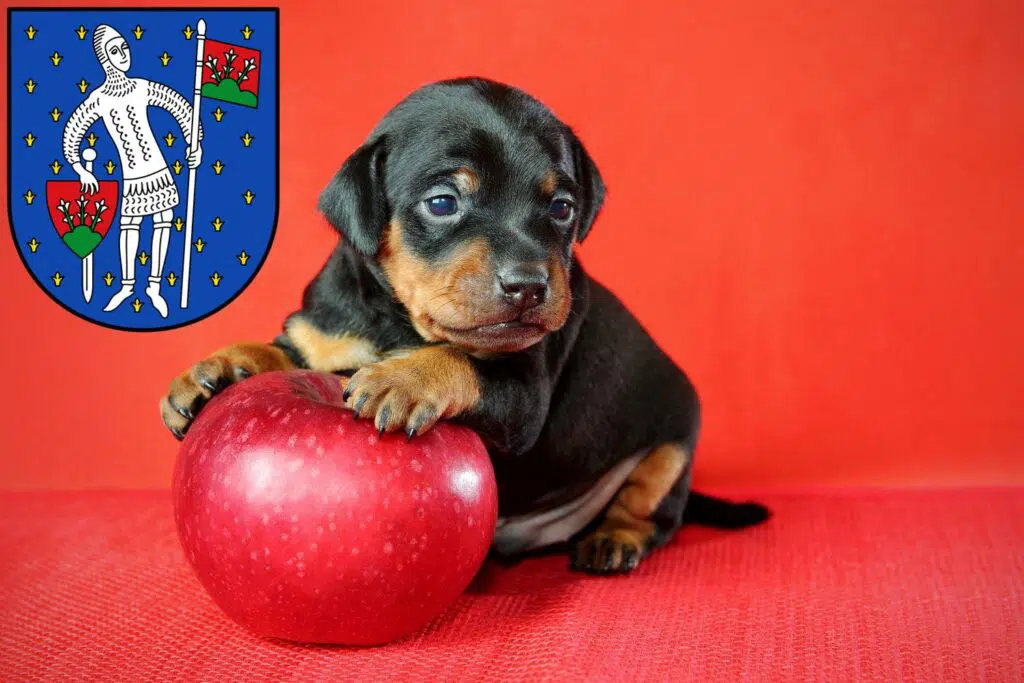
<point>469,196</point>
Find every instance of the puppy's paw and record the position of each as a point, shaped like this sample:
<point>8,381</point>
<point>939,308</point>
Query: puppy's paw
<point>190,390</point>
<point>608,551</point>
<point>394,396</point>
<point>411,392</point>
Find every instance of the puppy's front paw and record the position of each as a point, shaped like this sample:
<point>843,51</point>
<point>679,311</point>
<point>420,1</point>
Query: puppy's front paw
<point>190,390</point>
<point>413,391</point>
<point>395,396</point>
<point>608,551</point>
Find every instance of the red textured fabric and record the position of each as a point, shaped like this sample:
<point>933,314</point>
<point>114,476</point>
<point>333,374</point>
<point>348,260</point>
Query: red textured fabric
<point>922,586</point>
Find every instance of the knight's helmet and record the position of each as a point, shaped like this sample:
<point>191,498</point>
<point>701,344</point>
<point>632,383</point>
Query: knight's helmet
<point>101,35</point>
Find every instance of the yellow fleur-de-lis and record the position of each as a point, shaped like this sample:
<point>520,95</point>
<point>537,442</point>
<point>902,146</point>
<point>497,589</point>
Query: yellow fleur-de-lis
<point>33,244</point>
<point>218,167</point>
<point>29,196</point>
<point>169,138</point>
<point>199,244</point>
<point>177,167</point>
<point>92,139</point>
<point>29,139</point>
<point>216,278</point>
<point>30,85</point>
<point>81,31</point>
<point>31,32</point>
<point>143,257</point>
<point>243,258</point>
<point>82,86</point>
<point>110,166</point>
<point>55,114</point>
<point>172,278</point>
<point>137,305</point>
<point>247,139</point>
<point>248,196</point>
<point>56,58</point>
<point>108,279</point>
<point>165,58</point>
<point>57,278</point>
<point>217,224</point>
<point>55,167</point>
<point>247,32</point>
<point>188,32</point>
<point>138,31</point>
<point>178,223</point>
<point>218,114</point>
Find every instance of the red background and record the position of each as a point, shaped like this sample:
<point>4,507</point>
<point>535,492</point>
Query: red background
<point>815,207</point>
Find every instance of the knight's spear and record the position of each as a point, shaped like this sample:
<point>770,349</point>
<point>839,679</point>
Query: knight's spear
<point>186,265</point>
<point>88,156</point>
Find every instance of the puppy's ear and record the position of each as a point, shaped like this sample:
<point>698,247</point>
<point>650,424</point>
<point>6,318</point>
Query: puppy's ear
<point>354,202</point>
<point>589,179</point>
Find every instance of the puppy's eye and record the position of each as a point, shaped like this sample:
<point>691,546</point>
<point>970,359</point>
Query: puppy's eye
<point>561,210</point>
<point>443,205</point>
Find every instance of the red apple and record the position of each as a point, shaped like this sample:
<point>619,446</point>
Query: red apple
<point>303,524</point>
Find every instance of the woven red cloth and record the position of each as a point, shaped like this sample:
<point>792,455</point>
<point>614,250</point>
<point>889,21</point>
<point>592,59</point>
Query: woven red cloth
<point>878,586</point>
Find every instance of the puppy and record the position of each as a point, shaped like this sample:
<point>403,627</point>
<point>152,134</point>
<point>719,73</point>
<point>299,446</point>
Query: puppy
<point>453,294</point>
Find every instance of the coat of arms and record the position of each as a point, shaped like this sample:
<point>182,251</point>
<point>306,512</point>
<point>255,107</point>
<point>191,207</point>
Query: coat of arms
<point>147,139</point>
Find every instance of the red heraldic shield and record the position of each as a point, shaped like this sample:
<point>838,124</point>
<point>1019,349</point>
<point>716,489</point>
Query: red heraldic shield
<point>81,220</point>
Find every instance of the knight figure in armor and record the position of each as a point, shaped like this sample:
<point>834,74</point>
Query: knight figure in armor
<point>148,187</point>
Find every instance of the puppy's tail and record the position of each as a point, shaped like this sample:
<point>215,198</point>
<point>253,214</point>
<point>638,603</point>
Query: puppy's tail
<point>719,513</point>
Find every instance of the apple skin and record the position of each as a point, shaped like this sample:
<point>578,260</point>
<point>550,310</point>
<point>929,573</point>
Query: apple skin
<point>303,524</point>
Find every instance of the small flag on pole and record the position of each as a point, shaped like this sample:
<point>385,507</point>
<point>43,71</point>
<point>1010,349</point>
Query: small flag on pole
<point>226,73</point>
<point>231,73</point>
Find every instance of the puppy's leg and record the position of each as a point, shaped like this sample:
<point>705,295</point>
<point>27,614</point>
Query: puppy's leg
<point>643,515</point>
<point>190,390</point>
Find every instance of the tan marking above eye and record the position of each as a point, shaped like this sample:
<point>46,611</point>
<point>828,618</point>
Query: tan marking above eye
<point>549,183</point>
<point>467,180</point>
<point>329,352</point>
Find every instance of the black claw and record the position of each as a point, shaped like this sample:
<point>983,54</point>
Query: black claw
<point>411,432</point>
<point>630,558</point>
<point>346,395</point>
<point>359,404</point>
<point>178,434</point>
<point>184,412</point>
<point>208,385</point>
<point>590,558</point>
<point>382,419</point>
<point>421,420</point>
<point>608,555</point>
<point>242,373</point>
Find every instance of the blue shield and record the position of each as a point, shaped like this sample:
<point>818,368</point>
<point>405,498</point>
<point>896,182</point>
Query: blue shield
<point>129,205</point>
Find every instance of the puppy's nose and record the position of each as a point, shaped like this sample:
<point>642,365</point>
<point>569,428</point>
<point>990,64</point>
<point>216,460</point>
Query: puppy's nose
<point>524,286</point>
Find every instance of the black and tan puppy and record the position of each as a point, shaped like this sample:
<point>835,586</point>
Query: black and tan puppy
<point>453,294</point>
